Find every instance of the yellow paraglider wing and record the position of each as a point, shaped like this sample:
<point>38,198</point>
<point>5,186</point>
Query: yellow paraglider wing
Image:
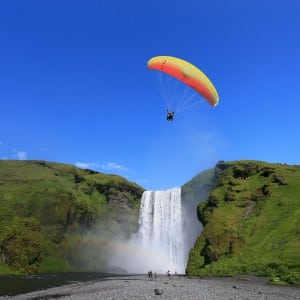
<point>187,73</point>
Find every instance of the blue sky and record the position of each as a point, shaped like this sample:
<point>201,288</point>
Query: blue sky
<point>75,88</point>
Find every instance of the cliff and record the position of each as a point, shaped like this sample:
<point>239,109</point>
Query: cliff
<point>251,223</point>
<point>55,218</point>
<point>52,213</point>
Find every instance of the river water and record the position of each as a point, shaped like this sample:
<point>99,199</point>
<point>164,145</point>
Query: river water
<point>14,285</point>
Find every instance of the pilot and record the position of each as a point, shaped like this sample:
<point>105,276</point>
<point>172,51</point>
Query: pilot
<point>170,115</point>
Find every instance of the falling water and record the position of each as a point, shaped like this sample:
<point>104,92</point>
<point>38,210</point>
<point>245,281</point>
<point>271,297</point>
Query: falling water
<point>166,234</point>
<point>159,243</point>
<point>161,228</point>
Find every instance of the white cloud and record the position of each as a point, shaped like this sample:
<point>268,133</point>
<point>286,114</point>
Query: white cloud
<point>112,166</point>
<point>142,180</point>
<point>21,155</point>
<point>83,165</point>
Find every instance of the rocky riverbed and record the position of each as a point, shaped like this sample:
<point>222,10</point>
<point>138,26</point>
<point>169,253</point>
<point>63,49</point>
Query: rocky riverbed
<point>163,287</point>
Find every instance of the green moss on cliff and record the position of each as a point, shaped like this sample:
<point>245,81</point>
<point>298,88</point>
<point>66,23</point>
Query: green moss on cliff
<point>251,222</point>
<point>48,208</point>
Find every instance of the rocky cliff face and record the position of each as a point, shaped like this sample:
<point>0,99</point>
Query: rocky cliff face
<point>251,222</point>
<point>49,209</point>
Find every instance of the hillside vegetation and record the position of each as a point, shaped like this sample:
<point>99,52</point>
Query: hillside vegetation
<point>52,213</point>
<point>251,223</point>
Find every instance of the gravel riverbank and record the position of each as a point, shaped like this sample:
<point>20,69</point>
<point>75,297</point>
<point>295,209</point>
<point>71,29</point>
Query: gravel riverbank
<point>165,288</point>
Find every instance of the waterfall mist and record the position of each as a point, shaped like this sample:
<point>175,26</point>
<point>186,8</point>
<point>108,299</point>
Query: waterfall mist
<point>167,231</point>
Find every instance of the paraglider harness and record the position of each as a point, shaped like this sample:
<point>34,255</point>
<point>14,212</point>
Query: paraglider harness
<point>170,115</point>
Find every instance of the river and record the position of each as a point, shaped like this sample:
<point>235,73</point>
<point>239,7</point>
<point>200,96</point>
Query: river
<point>15,285</point>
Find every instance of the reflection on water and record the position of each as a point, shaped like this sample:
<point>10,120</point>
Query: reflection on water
<point>14,285</point>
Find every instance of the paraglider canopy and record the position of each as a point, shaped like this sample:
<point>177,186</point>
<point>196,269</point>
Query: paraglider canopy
<point>188,74</point>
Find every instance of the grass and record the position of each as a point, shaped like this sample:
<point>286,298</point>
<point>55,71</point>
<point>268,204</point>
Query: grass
<point>251,223</point>
<point>54,205</point>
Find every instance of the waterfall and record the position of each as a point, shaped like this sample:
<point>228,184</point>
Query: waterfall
<point>161,228</point>
<point>166,234</point>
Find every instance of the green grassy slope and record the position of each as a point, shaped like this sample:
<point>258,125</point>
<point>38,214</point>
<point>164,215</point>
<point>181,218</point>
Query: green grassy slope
<point>251,223</point>
<point>47,210</point>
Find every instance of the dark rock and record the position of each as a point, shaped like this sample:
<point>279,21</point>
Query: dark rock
<point>158,292</point>
<point>236,287</point>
